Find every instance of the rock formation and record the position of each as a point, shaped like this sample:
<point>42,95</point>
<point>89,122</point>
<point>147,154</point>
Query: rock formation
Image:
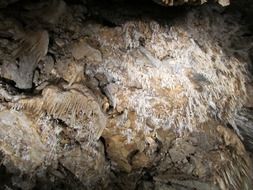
<point>120,96</point>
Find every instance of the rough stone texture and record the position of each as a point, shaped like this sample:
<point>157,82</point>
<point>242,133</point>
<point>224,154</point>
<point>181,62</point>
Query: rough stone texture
<point>124,103</point>
<point>4,3</point>
<point>22,62</point>
<point>196,2</point>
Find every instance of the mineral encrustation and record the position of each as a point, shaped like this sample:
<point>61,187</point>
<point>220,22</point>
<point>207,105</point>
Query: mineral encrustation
<point>98,96</point>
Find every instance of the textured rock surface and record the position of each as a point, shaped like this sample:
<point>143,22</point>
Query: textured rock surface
<point>196,2</point>
<point>4,3</point>
<point>115,102</point>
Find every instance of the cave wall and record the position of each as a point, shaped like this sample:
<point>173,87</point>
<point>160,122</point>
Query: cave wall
<point>142,97</point>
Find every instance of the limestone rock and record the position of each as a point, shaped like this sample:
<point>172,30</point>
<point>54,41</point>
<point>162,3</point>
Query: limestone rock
<point>82,50</point>
<point>224,2</point>
<point>85,163</point>
<point>75,106</point>
<point>25,150</point>
<point>152,102</point>
<point>20,68</point>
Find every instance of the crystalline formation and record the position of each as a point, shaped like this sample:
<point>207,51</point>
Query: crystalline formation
<point>126,95</point>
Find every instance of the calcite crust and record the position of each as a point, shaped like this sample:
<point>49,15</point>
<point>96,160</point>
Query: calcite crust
<point>132,104</point>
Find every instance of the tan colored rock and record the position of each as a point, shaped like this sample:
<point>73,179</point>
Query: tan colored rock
<point>86,163</point>
<point>20,141</point>
<point>249,88</point>
<point>224,2</point>
<point>75,106</point>
<point>83,50</point>
<point>140,105</point>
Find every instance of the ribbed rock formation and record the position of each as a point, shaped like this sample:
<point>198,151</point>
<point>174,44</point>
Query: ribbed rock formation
<point>95,100</point>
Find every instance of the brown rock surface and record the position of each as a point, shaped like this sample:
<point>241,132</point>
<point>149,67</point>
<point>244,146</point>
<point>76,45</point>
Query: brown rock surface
<point>115,102</point>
